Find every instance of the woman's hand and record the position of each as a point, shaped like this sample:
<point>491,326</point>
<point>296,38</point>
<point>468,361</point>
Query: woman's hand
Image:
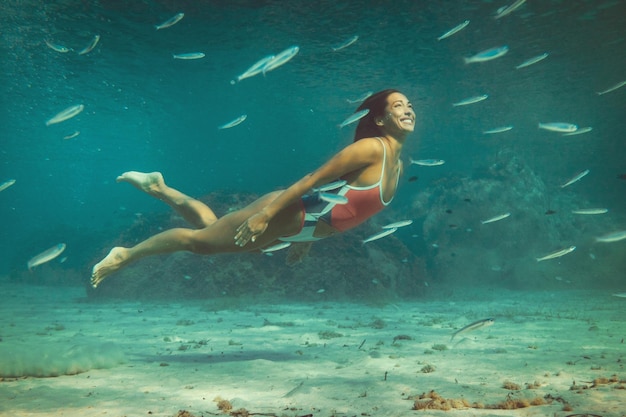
<point>251,229</point>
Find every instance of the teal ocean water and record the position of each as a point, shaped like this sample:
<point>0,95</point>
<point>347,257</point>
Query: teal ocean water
<point>144,110</point>
<point>506,290</point>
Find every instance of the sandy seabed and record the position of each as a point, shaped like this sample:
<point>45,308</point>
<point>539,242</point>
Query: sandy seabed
<point>552,353</point>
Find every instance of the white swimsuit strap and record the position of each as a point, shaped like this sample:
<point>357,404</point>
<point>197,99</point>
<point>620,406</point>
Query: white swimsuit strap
<point>347,187</point>
<point>380,181</point>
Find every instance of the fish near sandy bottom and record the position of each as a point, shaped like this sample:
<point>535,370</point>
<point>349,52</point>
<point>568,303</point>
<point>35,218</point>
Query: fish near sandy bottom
<point>46,256</point>
<point>473,326</point>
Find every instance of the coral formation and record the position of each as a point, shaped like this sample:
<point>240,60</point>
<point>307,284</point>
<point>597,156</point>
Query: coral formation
<point>427,369</point>
<point>433,401</point>
<point>456,244</point>
<point>599,381</point>
<point>242,412</point>
<point>329,334</point>
<point>401,337</point>
<point>512,386</point>
<point>184,413</point>
<point>223,405</point>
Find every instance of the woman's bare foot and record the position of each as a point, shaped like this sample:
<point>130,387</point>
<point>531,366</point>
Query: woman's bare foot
<point>149,182</point>
<point>115,260</point>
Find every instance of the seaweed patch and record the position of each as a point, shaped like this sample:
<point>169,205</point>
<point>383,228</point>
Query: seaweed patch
<point>433,401</point>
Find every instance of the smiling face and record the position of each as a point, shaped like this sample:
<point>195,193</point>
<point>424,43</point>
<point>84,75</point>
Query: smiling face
<point>390,114</point>
<point>399,117</point>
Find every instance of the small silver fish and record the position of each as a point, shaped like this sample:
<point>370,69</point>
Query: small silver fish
<point>46,255</point>
<point>91,45</point>
<point>503,11</point>
<point>56,47</point>
<point>454,30</point>
<point>579,131</point>
<point>427,162</point>
<point>612,237</point>
<point>497,130</point>
<point>591,211</point>
<point>65,114</point>
<point>6,184</point>
<point>558,127</point>
<point>380,235</point>
<point>613,88</point>
<point>280,59</point>
<point>346,43</point>
<point>361,98</point>
<point>473,326</point>
<point>189,55</point>
<point>532,60</point>
<point>395,225</point>
<point>470,100</point>
<point>276,247</point>
<point>171,21</point>
<point>487,55</point>
<point>333,198</point>
<point>255,69</point>
<point>620,295</point>
<point>330,186</point>
<point>496,218</point>
<point>234,123</point>
<point>72,135</point>
<point>354,118</point>
<point>575,178</point>
<point>557,254</point>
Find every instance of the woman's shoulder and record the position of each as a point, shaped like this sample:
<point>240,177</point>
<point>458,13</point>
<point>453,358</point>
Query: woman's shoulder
<point>373,144</point>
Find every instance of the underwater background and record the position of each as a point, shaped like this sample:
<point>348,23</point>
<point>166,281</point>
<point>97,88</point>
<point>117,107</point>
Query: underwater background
<point>146,111</point>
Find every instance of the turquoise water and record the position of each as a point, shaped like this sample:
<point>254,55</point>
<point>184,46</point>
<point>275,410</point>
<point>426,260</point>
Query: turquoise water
<point>146,111</point>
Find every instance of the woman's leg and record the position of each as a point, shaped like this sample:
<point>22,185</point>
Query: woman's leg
<point>193,211</point>
<point>218,237</point>
<point>172,240</point>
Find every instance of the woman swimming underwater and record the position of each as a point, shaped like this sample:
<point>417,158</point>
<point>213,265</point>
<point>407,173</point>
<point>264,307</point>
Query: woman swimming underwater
<point>365,177</point>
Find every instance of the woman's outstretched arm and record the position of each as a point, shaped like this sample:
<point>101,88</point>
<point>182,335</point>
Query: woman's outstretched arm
<point>356,156</point>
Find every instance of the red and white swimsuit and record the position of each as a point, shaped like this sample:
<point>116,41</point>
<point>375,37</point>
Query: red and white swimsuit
<point>363,203</point>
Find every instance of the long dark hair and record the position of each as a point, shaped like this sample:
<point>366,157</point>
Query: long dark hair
<point>376,104</point>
